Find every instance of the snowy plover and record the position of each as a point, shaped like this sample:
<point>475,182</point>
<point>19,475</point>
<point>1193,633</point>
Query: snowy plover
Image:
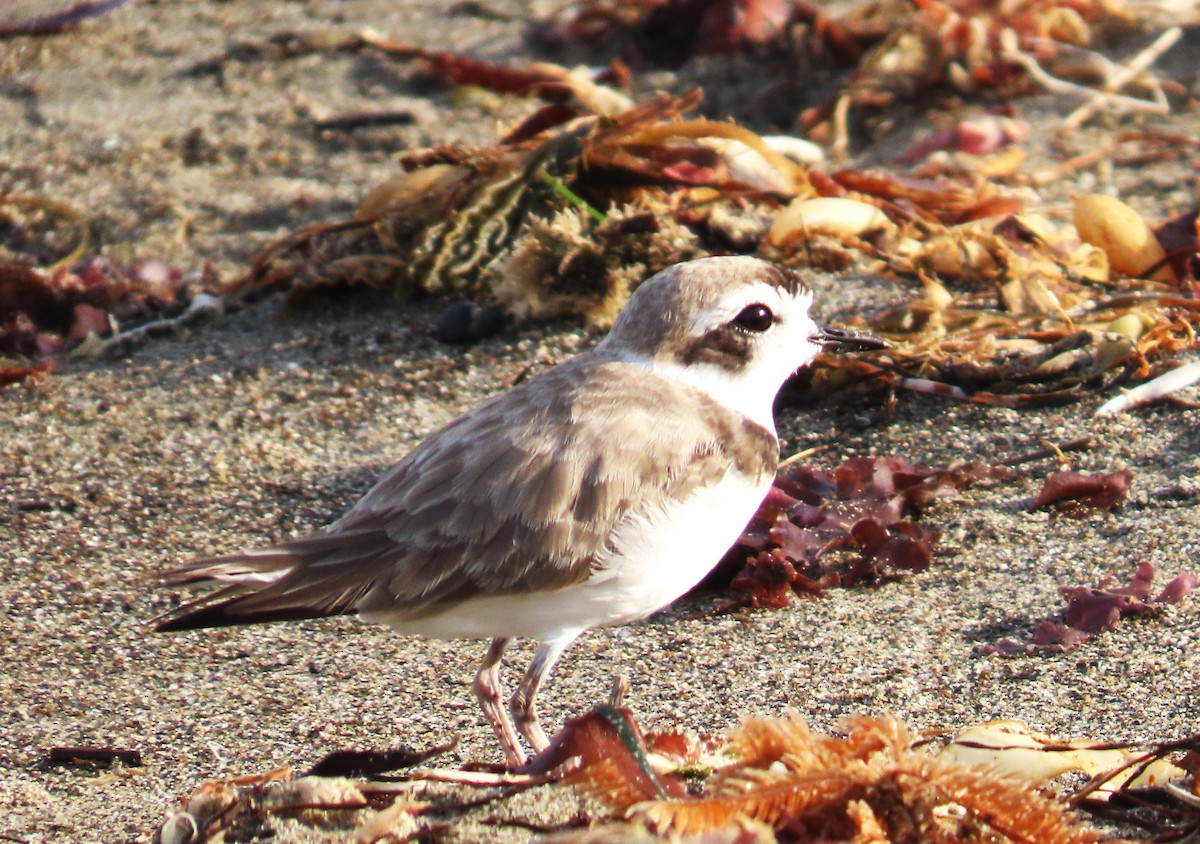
<point>593,494</point>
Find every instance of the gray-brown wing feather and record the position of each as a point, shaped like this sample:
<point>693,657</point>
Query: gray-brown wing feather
<point>522,493</point>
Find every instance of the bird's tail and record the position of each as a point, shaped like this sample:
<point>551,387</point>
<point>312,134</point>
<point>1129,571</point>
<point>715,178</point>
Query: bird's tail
<point>312,577</point>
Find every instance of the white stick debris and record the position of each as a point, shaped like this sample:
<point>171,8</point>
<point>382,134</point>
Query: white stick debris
<point>1164,385</point>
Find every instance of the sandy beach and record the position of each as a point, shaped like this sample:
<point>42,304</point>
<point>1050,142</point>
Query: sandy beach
<point>268,421</point>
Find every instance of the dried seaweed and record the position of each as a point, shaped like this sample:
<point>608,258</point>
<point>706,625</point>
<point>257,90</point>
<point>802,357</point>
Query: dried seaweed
<point>670,31</point>
<point>1125,794</point>
<point>32,374</point>
<point>494,221</point>
<point>258,805</point>
<point>897,50</point>
<point>1138,784</point>
<point>1077,494</point>
<point>1011,309</point>
<point>591,193</point>
<point>769,779</point>
<point>971,47</point>
<point>818,529</point>
<point>369,763</point>
<point>44,312</point>
<point>53,298</point>
<point>1097,609</point>
<point>869,784</point>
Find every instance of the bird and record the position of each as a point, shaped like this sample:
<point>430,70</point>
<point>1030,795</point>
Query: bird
<point>590,495</point>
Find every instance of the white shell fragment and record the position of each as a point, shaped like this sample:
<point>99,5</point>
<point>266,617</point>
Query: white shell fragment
<point>1011,748</point>
<point>1164,385</point>
<point>180,828</point>
<point>748,165</point>
<point>827,215</point>
<point>797,149</point>
<point>1130,245</point>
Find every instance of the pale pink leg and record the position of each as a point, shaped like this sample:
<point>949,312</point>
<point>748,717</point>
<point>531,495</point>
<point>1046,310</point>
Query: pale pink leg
<point>523,705</point>
<point>489,692</point>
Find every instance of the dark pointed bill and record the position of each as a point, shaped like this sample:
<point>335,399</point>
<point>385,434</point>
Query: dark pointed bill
<point>847,340</point>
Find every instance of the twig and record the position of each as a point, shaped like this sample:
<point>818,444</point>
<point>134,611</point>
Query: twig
<point>203,306</point>
<point>801,455</point>
<point>1153,390</point>
<point>1181,795</point>
<point>1159,750</point>
<point>1124,76</point>
<point>1010,51</point>
<point>840,121</point>
<point>360,119</point>
<point>481,779</point>
<point>1079,162</point>
<point>1049,449</point>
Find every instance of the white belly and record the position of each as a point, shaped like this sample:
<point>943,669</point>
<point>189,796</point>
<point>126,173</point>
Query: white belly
<point>656,559</point>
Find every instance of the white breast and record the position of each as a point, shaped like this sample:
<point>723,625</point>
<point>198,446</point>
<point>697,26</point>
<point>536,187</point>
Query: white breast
<point>656,557</point>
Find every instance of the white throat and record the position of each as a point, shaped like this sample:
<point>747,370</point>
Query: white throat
<point>751,393</point>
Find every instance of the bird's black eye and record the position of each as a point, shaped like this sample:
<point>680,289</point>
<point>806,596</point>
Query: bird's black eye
<point>756,318</point>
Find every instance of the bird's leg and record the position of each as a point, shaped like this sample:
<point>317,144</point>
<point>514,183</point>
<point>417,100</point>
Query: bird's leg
<point>489,693</point>
<point>523,705</point>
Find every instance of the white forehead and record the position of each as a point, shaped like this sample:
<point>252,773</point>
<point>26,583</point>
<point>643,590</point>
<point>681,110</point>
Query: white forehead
<point>737,297</point>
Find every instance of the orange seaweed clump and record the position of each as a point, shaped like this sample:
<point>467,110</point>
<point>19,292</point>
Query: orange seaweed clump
<point>868,785</point>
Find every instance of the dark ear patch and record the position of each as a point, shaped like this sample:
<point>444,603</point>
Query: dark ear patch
<point>725,347</point>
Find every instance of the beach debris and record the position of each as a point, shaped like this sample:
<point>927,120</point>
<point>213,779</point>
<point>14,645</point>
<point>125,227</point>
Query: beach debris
<point>1010,308</point>
<point>202,307</point>
<point>1092,610</point>
<point>819,529</point>
<point>1156,389</point>
<point>833,215</point>
<point>668,32</point>
<point>975,136</point>
<point>1077,494</point>
<point>1011,748</point>
<point>517,220</point>
<point>34,373</point>
<point>1131,246</point>
<point>870,783</point>
<point>57,22</point>
<point>78,306</point>
<point>369,763</point>
<point>1149,794</point>
<point>994,299</point>
<point>272,803</point>
<point>92,755</point>
<point>873,780</point>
